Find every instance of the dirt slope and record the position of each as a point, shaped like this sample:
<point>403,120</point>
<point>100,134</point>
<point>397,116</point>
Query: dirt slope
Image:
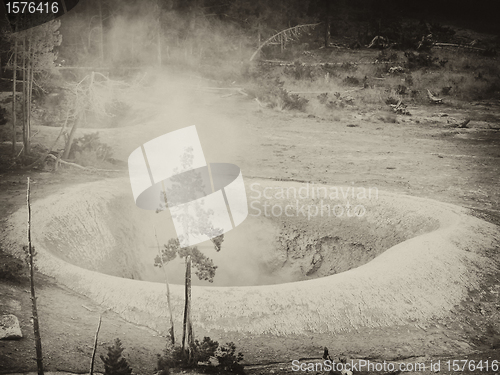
<point>419,155</point>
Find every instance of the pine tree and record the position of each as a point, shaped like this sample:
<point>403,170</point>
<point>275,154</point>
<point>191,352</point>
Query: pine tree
<point>186,187</point>
<point>115,364</point>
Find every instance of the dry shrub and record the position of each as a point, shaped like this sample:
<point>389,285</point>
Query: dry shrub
<point>275,95</point>
<point>300,71</point>
<point>89,151</point>
<point>206,353</point>
<point>12,269</point>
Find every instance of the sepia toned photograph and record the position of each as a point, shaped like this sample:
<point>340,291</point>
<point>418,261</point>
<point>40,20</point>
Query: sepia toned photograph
<point>249,187</point>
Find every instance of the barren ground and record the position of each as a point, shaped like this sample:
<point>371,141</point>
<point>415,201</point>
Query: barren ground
<point>421,155</point>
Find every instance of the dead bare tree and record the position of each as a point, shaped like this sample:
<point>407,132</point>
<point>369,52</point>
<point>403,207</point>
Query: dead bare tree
<point>25,111</point>
<point>285,36</point>
<point>172,337</point>
<point>187,331</point>
<point>30,255</point>
<point>32,54</point>
<point>14,94</point>
<point>44,156</point>
<point>95,345</point>
<point>93,94</point>
<point>79,117</point>
<point>327,24</point>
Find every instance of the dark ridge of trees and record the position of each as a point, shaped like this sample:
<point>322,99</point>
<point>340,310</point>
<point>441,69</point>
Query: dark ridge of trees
<point>88,27</point>
<point>267,17</point>
<point>292,12</point>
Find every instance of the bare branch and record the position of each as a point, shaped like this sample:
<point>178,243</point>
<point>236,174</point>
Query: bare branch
<point>81,167</point>
<point>285,36</point>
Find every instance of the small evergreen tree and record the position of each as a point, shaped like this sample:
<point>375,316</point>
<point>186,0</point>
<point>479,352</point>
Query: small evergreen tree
<point>114,363</point>
<point>181,188</point>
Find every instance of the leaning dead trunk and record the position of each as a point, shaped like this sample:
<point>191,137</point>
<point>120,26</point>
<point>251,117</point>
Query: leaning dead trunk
<point>28,108</point>
<point>158,36</point>
<point>284,36</point>
<point>94,350</point>
<point>36,328</point>
<point>30,94</point>
<point>172,337</point>
<point>101,31</point>
<point>14,138</point>
<point>77,123</point>
<point>187,335</point>
<point>327,23</point>
<point>24,97</point>
<point>71,136</point>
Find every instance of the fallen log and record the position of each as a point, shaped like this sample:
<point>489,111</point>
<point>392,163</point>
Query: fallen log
<point>434,99</point>
<point>459,46</point>
<point>287,63</point>
<point>44,156</point>
<point>463,124</point>
<point>82,167</point>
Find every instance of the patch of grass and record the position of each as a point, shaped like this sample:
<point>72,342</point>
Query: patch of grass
<point>275,95</point>
<point>207,355</point>
<point>12,269</point>
<point>369,96</point>
<point>348,67</point>
<point>337,100</point>
<point>416,60</point>
<point>89,151</point>
<point>350,81</point>
<point>457,85</point>
<point>300,71</point>
<point>391,100</point>
<point>387,56</point>
<point>228,360</point>
<point>454,75</point>
<point>390,118</point>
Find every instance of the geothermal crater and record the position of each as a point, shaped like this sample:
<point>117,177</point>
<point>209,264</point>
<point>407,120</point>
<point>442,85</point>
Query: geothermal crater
<point>291,234</point>
<point>308,258</point>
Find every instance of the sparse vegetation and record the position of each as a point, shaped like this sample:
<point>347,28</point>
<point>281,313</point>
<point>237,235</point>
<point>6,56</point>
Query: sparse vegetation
<point>88,150</point>
<point>114,363</point>
<point>326,73</point>
<point>12,269</point>
<point>416,60</point>
<point>300,71</point>
<point>273,93</point>
<point>228,360</point>
<point>208,355</point>
<point>460,76</point>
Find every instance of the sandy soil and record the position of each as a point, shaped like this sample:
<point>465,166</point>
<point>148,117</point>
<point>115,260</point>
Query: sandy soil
<point>421,155</point>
